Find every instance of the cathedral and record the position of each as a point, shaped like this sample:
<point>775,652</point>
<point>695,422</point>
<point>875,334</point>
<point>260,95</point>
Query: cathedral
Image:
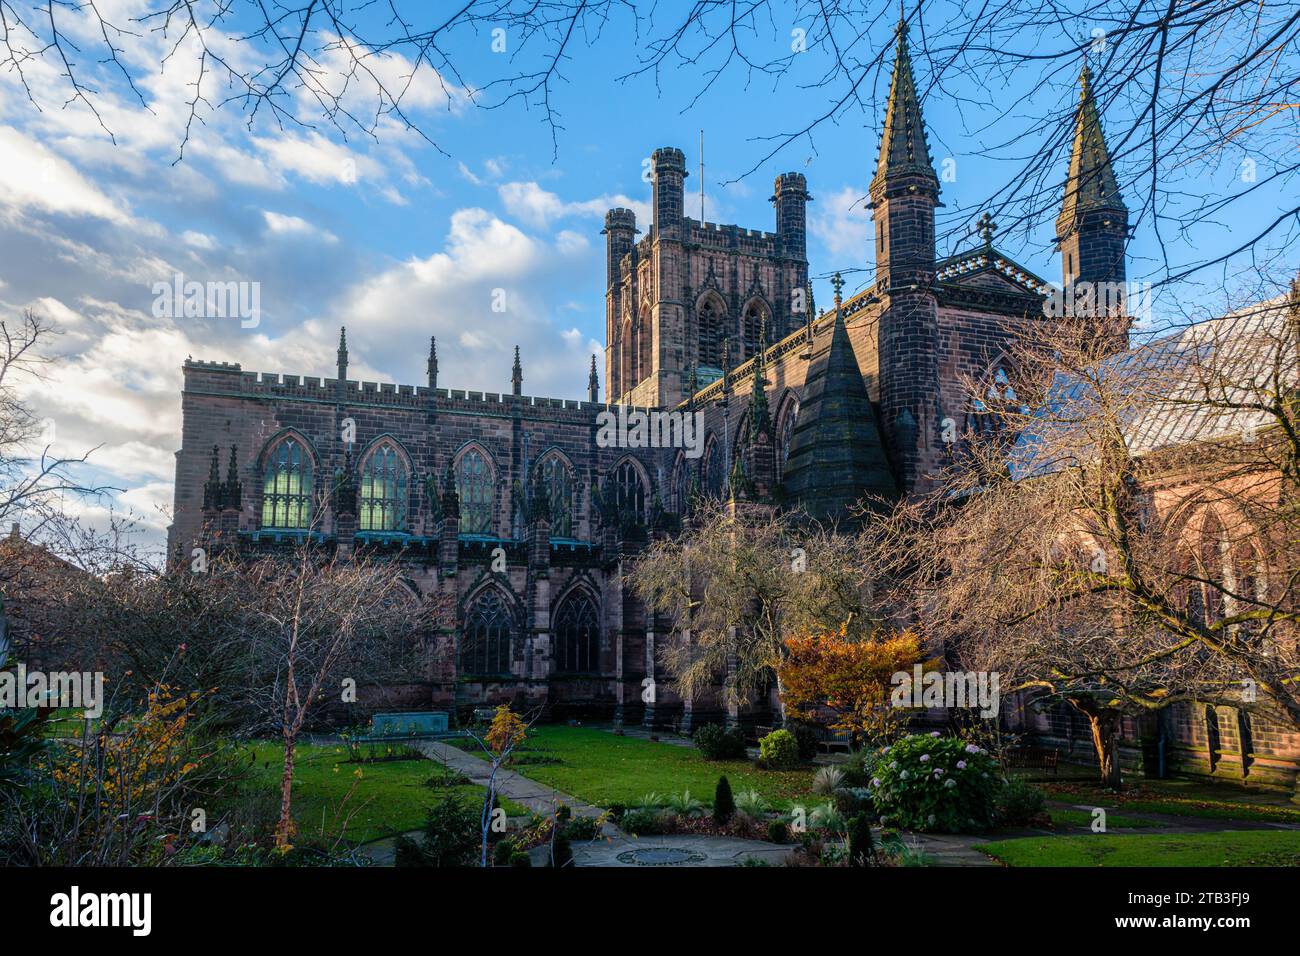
<point>506,507</point>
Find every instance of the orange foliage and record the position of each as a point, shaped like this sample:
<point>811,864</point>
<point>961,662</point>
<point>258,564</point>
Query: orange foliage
<point>830,671</point>
<point>507,730</point>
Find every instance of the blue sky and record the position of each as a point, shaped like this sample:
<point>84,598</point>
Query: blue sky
<point>398,239</point>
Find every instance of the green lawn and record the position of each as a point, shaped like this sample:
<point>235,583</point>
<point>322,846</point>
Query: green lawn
<point>1114,821</point>
<point>390,797</point>
<point>600,768</point>
<point>1181,798</point>
<point>1231,848</point>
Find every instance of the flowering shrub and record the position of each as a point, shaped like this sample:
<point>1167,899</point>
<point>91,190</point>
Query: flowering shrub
<point>928,782</point>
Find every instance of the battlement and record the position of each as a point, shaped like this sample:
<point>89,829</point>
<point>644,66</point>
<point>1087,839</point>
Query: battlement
<point>231,379</point>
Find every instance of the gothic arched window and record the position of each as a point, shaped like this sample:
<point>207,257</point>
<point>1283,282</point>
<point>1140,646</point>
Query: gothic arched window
<point>486,644</point>
<point>476,486</point>
<point>559,495</point>
<point>629,492</point>
<point>645,347</point>
<point>384,479</point>
<point>577,636</point>
<point>987,415</point>
<point>785,432</point>
<point>681,484</point>
<point>627,356</point>
<point>287,486</point>
<point>711,332</point>
<point>715,470</point>
<point>750,325</point>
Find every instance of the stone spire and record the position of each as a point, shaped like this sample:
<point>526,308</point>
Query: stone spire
<point>593,382</point>
<point>343,353</point>
<point>517,375</point>
<point>432,365</point>
<point>903,146</point>
<point>234,489</point>
<point>213,492</point>
<point>1091,182</point>
<point>1092,233</point>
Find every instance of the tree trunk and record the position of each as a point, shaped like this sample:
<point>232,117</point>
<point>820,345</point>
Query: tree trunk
<point>284,831</point>
<point>1105,727</point>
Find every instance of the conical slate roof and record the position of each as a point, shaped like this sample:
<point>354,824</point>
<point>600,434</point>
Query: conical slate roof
<point>903,146</point>
<point>1091,183</point>
<point>836,452</point>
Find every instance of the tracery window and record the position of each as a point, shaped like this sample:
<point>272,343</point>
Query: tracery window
<point>287,486</point>
<point>476,486</point>
<point>384,483</point>
<point>486,644</point>
<point>577,636</point>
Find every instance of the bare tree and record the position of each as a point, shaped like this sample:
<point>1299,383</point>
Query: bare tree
<point>738,581</point>
<point>314,621</point>
<point>1120,531</point>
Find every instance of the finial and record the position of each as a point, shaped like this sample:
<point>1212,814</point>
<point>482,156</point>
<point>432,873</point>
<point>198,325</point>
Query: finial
<point>432,365</point>
<point>837,283</point>
<point>593,382</point>
<point>986,227</point>
<point>517,374</point>
<point>343,338</point>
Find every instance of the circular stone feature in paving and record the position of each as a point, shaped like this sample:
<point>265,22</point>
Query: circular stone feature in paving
<point>660,856</point>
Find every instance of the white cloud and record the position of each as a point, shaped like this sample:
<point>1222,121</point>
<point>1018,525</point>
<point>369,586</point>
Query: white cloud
<point>35,177</point>
<point>317,159</point>
<point>537,207</point>
<point>283,225</point>
<point>842,222</point>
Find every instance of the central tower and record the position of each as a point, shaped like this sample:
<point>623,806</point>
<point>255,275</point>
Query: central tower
<point>690,296</point>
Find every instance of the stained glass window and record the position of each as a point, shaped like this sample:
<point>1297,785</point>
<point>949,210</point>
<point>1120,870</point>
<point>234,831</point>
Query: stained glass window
<point>629,492</point>
<point>559,495</point>
<point>485,645</point>
<point>476,486</point>
<point>384,479</point>
<point>287,486</point>
<point>577,636</point>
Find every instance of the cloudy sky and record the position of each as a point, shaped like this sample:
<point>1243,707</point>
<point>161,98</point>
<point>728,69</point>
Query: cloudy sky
<point>396,234</point>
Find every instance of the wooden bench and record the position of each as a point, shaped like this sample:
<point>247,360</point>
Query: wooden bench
<point>1033,758</point>
<point>830,742</point>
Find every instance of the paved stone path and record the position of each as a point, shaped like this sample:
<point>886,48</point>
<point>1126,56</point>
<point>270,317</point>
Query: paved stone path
<point>618,849</point>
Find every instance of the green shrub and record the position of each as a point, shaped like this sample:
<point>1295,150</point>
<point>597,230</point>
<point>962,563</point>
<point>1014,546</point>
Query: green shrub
<point>1020,803</point>
<point>777,832</point>
<point>581,828</point>
<point>928,782</point>
<point>715,742</point>
<point>805,738</point>
<point>502,852</point>
<point>520,858</point>
<point>683,804</point>
<point>561,852</point>
<point>450,838</point>
<point>779,750</point>
<point>724,806</point>
<point>862,846</point>
<point>643,822</point>
<point>859,768</point>
<point>854,800</point>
